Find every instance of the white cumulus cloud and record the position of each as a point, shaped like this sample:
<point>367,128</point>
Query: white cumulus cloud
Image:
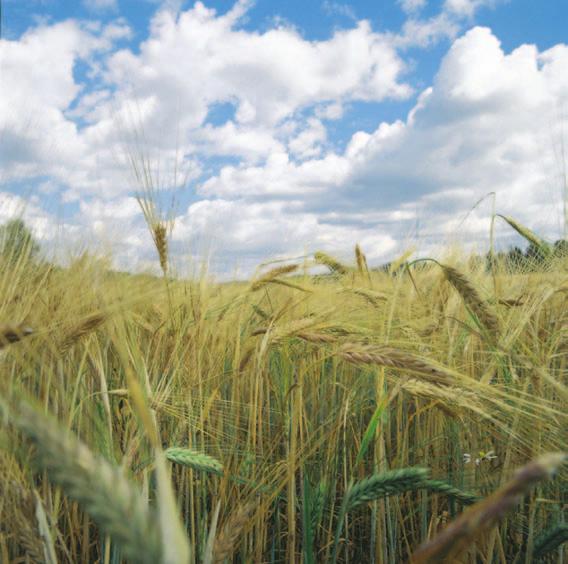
<point>202,87</point>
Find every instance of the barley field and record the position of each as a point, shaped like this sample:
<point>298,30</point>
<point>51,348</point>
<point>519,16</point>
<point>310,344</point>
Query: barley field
<point>319,412</point>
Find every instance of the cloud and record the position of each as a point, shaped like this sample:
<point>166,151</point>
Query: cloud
<point>446,24</point>
<point>101,5</point>
<point>410,6</point>
<point>489,122</point>
<point>339,9</point>
<point>279,177</point>
<point>190,62</point>
<point>39,137</point>
<point>240,231</point>
<point>202,58</point>
<point>426,32</point>
<point>466,8</point>
<point>308,143</point>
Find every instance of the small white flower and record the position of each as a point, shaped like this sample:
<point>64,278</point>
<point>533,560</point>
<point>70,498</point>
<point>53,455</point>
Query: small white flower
<point>489,455</point>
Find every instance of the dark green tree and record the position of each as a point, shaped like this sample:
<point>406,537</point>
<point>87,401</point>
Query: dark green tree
<point>17,241</point>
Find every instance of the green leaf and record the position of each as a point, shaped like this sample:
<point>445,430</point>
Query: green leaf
<point>371,429</point>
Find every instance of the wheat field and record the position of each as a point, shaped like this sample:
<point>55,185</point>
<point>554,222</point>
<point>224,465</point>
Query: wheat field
<point>320,412</point>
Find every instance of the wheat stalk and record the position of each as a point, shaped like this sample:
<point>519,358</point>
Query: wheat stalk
<point>318,506</point>
<point>17,502</point>
<point>101,488</point>
<point>260,312</point>
<point>400,261</point>
<point>194,460</point>
<point>482,516</point>
<point>288,284</point>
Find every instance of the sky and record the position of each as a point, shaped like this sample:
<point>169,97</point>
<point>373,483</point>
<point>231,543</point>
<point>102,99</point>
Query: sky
<point>275,129</point>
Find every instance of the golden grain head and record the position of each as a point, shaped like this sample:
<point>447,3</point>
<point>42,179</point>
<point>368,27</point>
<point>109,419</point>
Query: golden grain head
<point>272,275</point>
<point>161,241</point>
<point>334,265</point>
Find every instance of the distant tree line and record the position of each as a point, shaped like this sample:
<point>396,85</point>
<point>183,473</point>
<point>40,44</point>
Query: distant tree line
<point>532,258</point>
<point>17,242</point>
<point>515,259</point>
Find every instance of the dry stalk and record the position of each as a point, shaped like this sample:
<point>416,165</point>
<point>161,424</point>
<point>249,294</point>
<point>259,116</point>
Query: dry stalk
<point>18,513</point>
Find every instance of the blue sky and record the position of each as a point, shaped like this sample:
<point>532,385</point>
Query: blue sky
<point>294,126</point>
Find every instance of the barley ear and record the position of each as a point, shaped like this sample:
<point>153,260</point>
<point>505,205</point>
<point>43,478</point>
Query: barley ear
<point>361,259</point>
<point>98,486</point>
<point>529,235</point>
<point>441,487</point>
<point>226,542</point>
<point>481,517</point>
<point>356,353</point>
<point>81,330</point>
<point>472,299</point>
<point>194,460</point>
<point>272,275</point>
<point>160,237</point>
<point>550,540</point>
<point>334,265</point>
<point>376,487</point>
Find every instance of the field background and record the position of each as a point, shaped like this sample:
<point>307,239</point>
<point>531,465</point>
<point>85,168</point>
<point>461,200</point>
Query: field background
<point>281,395</point>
